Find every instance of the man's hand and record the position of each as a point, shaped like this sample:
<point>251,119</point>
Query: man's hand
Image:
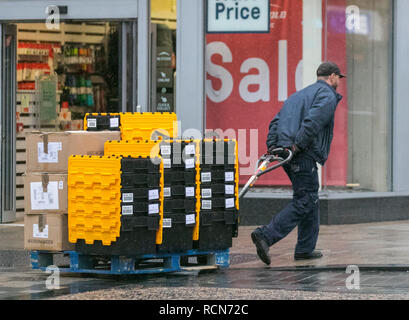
<point>295,150</point>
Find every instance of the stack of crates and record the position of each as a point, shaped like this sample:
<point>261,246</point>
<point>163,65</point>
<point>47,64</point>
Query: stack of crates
<point>102,121</point>
<point>219,203</point>
<point>141,209</point>
<point>94,196</point>
<point>180,159</point>
<point>139,126</point>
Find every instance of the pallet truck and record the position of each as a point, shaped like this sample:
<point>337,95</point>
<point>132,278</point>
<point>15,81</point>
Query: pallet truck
<point>264,165</point>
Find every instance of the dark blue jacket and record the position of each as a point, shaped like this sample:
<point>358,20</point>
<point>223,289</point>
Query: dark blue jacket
<point>307,120</point>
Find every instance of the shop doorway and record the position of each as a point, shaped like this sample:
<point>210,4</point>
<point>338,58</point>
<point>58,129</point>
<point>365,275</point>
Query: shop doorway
<point>88,64</point>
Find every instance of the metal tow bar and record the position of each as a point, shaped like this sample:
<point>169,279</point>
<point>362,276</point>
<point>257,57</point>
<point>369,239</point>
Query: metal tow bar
<point>263,166</point>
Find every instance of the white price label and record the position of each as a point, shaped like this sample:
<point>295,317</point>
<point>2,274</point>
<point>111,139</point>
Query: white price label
<point>166,192</point>
<point>52,155</point>
<point>154,208</point>
<point>229,189</point>
<point>41,200</point>
<point>167,163</point>
<point>114,122</point>
<point>127,197</point>
<point>127,210</point>
<point>207,204</point>
<point>206,193</point>
<point>37,234</point>
<point>92,123</point>
<point>190,163</point>
<point>190,219</point>
<point>167,223</point>
<point>153,194</point>
<point>165,150</point>
<point>190,191</point>
<point>230,203</point>
<point>190,149</point>
<point>229,176</point>
<point>206,176</point>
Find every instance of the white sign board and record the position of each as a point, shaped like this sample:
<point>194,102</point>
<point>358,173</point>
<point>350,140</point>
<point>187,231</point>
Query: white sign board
<point>238,16</point>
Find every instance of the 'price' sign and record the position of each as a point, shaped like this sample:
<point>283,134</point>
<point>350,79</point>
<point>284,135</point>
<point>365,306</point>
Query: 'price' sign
<point>238,16</point>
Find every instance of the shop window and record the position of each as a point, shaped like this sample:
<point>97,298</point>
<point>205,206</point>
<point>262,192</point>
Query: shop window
<point>359,39</point>
<point>163,17</point>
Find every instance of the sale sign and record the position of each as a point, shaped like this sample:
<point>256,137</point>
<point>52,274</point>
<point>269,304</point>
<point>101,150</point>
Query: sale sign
<point>249,76</point>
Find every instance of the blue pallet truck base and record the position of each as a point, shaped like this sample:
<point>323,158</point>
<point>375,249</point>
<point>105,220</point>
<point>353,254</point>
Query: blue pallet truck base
<point>142,264</point>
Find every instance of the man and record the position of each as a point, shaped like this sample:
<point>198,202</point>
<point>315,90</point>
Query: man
<point>304,125</point>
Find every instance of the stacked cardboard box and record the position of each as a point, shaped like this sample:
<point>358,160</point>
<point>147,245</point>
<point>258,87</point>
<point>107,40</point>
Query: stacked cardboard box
<point>45,184</point>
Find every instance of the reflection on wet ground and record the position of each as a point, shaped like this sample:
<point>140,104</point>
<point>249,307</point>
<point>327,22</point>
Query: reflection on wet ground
<point>30,285</point>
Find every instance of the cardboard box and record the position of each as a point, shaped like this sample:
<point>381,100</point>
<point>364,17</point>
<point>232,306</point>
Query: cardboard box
<point>47,232</point>
<point>49,151</point>
<point>45,193</point>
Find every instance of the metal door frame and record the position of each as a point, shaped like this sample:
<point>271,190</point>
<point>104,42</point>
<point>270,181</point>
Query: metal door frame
<point>8,127</point>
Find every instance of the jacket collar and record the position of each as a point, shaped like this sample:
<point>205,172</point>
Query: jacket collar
<point>339,97</point>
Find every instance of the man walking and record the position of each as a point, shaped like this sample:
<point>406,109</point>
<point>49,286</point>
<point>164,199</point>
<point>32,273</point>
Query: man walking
<point>305,125</point>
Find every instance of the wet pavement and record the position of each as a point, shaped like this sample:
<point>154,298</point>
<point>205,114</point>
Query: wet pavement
<point>380,250</point>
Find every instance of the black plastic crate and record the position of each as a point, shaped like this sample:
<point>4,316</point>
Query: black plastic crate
<point>179,205</point>
<point>219,148</point>
<point>137,237</point>
<point>183,191</point>
<point>217,189</point>
<point>211,176</point>
<point>216,230</point>
<point>177,233</point>
<point>139,165</point>
<point>103,122</point>
<point>135,180</point>
<point>140,208</point>
<point>179,177</point>
<point>129,195</point>
<point>227,203</point>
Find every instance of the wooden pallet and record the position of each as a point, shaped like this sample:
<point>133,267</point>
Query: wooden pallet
<point>142,264</point>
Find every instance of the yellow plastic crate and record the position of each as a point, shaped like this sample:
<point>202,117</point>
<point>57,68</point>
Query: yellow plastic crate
<point>132,148</point>
<point>141,125</point>
<point>94,193</point>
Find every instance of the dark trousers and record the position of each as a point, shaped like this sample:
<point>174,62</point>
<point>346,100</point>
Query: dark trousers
<point>302,211</point>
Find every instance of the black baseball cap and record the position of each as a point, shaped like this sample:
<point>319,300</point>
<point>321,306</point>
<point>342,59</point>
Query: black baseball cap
<point>328,68</point>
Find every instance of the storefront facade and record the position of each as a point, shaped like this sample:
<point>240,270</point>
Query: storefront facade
<point>164,56</point>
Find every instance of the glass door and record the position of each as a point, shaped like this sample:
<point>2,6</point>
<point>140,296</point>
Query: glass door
<point>8,123</point>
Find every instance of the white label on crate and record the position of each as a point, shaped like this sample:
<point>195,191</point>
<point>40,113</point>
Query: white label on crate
<point>41,200</point>
<point>153,194</point>
<point>229,176</point>
<point>206,176</point>
<point>166,192</point>
<point>127,210</point>
<point>190,219</point>
<point>60,185</point>
<point>92,123</point>
<point>52,155</point>
<point>37,234</point>
<point>167,223</point>
<point>167,163</point>
<point>229,189</point>
<point>127,197</point>
<point>190,163</point>
<point>190,191</point>
<point>206,193</point>
<point>207,204</point>
<point>190,149</point>
<point>153,208</point>
<point>114,122</point>
<point>165,150</point>
<point>230,203</point>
